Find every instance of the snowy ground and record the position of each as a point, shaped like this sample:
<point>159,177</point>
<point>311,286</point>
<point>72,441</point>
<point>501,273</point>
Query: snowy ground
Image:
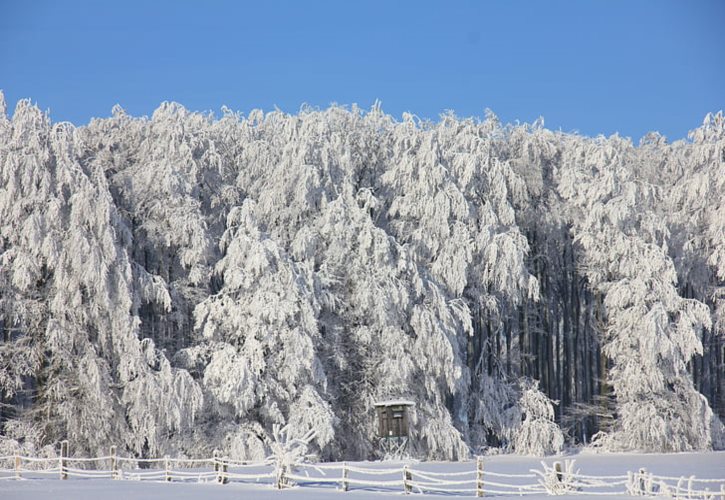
<point>701,465</point>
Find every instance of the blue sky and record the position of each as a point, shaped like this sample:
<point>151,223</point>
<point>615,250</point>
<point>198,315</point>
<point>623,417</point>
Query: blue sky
<point>590,66</point>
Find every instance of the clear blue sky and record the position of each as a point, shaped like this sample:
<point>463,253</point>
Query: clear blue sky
<point>591,66</point>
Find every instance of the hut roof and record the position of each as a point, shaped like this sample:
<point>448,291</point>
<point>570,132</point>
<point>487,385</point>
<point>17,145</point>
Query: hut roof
<point>395,402</point>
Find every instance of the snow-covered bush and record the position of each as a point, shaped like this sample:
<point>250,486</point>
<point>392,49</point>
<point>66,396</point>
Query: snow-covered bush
<point>538,433</point>
<point>558,480</point>
<point>287,451</point>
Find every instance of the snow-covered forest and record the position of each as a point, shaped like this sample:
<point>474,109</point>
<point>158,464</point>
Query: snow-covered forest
<point>182,283</point>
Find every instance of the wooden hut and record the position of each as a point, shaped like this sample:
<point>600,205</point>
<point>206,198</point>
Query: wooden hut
<point>393,420</point>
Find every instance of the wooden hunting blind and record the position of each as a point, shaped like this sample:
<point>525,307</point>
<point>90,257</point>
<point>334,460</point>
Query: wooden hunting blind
<point>393,425</point>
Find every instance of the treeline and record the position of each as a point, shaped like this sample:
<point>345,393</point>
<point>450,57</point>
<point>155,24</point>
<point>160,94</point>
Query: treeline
<point>181,283</point>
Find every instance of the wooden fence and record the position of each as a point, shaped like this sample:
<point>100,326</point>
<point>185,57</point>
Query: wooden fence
<point>410,479</point>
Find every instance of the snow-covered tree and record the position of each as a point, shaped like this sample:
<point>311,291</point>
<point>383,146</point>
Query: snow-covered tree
<point>264,366</point>
<point>482,270</point>
<point>70,300</point>
<point>651,332</point>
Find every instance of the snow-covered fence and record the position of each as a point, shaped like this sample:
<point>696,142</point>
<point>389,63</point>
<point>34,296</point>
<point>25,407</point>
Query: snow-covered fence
<point>552,479</point>
<point>643,483</point>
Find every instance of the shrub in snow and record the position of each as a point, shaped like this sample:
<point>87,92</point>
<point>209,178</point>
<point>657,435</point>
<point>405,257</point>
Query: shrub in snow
<point>538,434</point>
<point>557,480</point>
<point>22,438</point>
<point>287,452</point>
<point>244,442</point>
<point>643,483</point>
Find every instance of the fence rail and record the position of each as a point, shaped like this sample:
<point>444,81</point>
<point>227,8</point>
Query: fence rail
<point>551,480</point>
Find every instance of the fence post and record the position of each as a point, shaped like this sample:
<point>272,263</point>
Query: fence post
<point>114,463</point>
<point>167,474</point>
<point>280,472</point>
<point>344,476</point>
<point>216,466</point>
<point>282,476</point>
<point>407,478</point>
<point>63,456</point>
<point>642,484</point>
<point>17,466</point>
<point>224,466</point>
<point>557,468</point>
<point>479,476</point>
